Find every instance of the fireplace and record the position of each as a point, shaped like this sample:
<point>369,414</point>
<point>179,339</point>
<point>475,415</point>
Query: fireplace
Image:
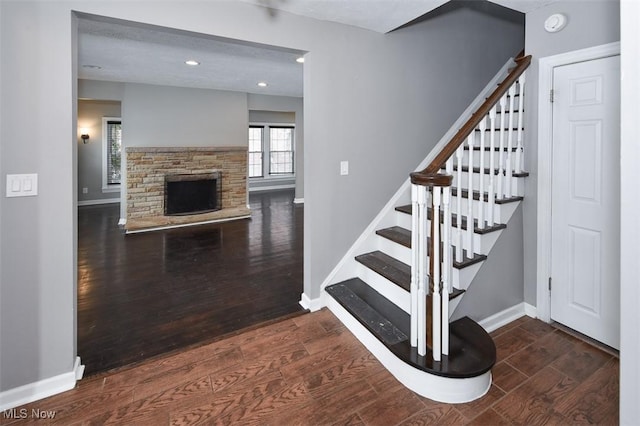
<point>187,194</point>
<point>150,170</point>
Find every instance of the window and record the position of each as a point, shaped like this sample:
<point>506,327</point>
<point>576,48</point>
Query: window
<point>112,151</point>
<point>271,150</point>
<point>255,151</point>
<point>281,150</point>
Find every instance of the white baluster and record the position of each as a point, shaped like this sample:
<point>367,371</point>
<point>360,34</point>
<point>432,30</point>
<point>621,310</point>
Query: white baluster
<point>459,153</point>
<point>423,281</point>
<point>483,127</point>
<point>492,165</point>
<point>501,156</point>
<point>436,313</point>
<point>509,169</point>
<point>519,149</point>
<point>446,267</point>
<point>415,263</point>
<point>470,204</point>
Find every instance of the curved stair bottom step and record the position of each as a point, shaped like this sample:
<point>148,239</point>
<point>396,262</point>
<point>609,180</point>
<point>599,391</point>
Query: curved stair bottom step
<point>438,388</point>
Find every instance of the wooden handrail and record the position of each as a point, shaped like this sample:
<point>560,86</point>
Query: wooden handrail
<point>427,176</point>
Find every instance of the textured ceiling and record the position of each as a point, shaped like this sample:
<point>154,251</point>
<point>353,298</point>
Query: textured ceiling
<point>143,54</point>
<point>113,50</point>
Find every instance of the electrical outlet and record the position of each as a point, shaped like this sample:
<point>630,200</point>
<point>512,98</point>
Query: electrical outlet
<point>85,190</point>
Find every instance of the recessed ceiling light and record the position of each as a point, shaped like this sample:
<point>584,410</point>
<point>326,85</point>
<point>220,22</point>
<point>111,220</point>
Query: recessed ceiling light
<point>192,62</point>
<point>92,67</point>
<point>262,84</point>
<point>300,60</point>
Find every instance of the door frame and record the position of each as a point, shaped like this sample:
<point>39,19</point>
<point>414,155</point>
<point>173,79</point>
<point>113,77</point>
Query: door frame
<point>546,66</point>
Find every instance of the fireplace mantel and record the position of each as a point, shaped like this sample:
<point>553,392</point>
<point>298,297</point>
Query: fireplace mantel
<point>146,171</point>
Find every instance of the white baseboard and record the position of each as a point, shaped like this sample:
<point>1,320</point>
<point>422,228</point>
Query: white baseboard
<point>503,318</point>
<point>271,187</point>
<point>41,389</point>
<point>311,304</point>
<point>298,201</point>
<point>97,202</point>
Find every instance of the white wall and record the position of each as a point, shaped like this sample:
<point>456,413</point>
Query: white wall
<point>590,23</point>
<point>630,205</point>
<point>379,101</point>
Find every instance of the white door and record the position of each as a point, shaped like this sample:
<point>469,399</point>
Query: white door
<point>585,253</point>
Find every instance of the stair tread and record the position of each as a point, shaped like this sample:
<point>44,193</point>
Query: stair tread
<point>402,236</point>
<point>488,148</point>
<point>454,221</point>
<point>392,269</point>
<point>380,326</point>
<point>472,351</point>
<point>396,271</point>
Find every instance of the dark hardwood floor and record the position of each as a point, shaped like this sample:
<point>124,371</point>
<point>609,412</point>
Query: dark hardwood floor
<point>310,370</point>
<point>141,295</point>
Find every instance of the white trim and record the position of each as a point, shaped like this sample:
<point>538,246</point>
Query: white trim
<point>41,389</point>
<point>545,151</point>
<point>511,314</point>
<point>97,202</point>
<point>311,304</point>
<point>122,221</point>
<point>184,225</point>
<point>298,201</point>
<point>271,187</point>
<point>369,230</point>
<point>437,388</point>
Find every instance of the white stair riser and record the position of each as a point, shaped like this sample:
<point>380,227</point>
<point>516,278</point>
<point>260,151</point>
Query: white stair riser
<point>517,184</point>
<point>487,159</point>
<point>391,291</point>
<point>500,211</point>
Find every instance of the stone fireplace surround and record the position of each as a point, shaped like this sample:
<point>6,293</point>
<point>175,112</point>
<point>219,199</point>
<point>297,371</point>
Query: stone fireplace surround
<point>146,171</point>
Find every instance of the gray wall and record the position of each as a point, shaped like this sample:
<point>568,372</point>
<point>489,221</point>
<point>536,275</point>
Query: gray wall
<point>379,101</point>
<point>90,113</point>
<point>590,23</point>
<point>177,116</point>
<point>286,104</point>
<point>499,283</point>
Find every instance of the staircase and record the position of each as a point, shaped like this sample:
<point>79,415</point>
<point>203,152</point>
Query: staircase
<point>398,284</point>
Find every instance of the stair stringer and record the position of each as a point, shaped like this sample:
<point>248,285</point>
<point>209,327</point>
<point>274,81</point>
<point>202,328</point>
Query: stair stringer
<point>346,267</point>
<point>437,388</point>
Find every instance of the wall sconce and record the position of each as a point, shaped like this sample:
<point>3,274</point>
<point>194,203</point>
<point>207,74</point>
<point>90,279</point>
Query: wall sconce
<point>84,134</point>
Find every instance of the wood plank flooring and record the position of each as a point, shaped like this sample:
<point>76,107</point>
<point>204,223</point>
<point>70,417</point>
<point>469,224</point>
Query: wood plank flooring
<point>310,370</point>
<point>141,295</point>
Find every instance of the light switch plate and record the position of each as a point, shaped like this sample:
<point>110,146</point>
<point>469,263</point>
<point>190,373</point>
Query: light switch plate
<point>23,185</point>
<point>344,168</point>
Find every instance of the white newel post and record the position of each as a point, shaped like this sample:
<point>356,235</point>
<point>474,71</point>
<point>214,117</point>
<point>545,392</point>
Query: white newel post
<point>447,266</point>
<point>415,263</point>
<point>436,313</point>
